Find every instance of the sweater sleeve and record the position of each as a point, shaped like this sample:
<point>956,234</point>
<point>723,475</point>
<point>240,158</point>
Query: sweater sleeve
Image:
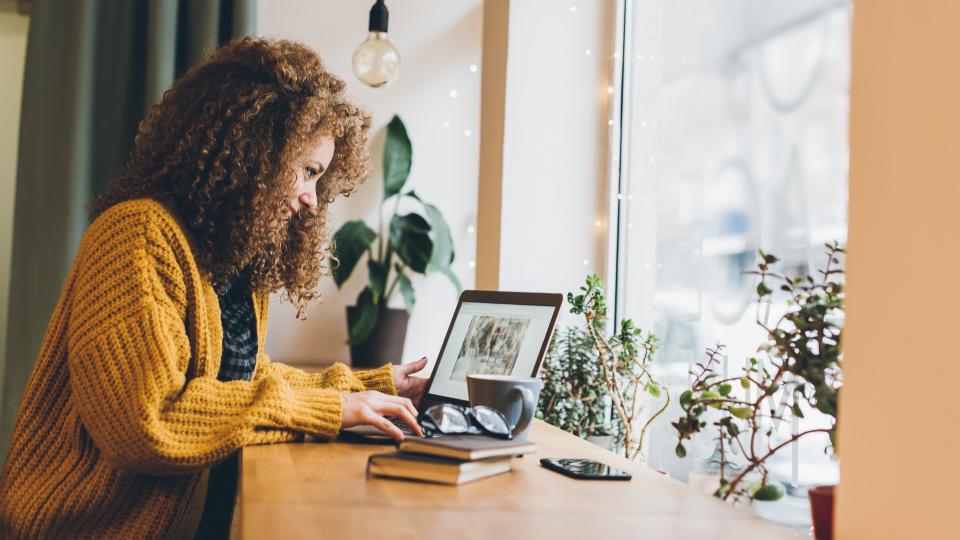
<point>337,376</point>
<point>145,416</point>
<point>133,342</point>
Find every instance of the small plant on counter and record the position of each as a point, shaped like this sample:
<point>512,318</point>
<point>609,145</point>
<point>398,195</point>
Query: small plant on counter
<point>574,397</point>
<point>802,365</point>
<point>622,362</point>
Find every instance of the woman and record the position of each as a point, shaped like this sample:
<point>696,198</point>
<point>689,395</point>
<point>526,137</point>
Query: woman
<point>152,372</point>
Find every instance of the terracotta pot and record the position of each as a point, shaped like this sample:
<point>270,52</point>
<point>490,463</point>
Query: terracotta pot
<point>821,506</point>
<point>385,344</point>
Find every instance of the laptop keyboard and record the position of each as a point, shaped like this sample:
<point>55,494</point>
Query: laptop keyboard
<point>403,427</point>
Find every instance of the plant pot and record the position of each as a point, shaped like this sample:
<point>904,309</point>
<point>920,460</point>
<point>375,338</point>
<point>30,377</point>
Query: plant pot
<point>821,507</point>
<point>385,343</point>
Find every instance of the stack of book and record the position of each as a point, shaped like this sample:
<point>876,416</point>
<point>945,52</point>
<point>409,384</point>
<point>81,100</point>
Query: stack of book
<point>449,459</point>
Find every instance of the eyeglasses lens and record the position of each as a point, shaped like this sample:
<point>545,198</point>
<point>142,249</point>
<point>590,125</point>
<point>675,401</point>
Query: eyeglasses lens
<point>491,420</point>
<point>448,419</point>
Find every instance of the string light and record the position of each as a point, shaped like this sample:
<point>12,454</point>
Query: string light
<point>610,122</point>
<point>588,52</point>
<point>599,223</point>
<point>467,133</point>
<point>446,124</point>
<point>586,262</point>
<point>471,229</point>
<point>620,196</point>
<point>573,9</point>
<point>473,68</point>
<point>472,264</point>
<point>610,90</point>
<point>453,94</point>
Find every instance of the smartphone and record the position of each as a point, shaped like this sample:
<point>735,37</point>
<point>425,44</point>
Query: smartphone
<point>584,469</point>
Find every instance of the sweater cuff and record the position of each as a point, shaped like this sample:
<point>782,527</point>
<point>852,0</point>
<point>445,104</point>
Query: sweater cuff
<point>316,412</point>
<point>380,379</point>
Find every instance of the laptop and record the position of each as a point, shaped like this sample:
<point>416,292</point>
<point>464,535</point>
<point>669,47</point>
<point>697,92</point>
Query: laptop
<point>491,332</point>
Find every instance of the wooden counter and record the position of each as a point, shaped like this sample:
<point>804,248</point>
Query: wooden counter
<point>319,490</point>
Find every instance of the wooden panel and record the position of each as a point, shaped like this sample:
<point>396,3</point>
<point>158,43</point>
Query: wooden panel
<point>303,490</point>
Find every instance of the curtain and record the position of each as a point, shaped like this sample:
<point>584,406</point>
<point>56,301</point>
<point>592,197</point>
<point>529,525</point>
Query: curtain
<point>92,69</point>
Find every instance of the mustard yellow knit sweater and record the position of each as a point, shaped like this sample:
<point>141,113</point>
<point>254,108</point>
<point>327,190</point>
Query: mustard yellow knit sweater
<point>123,414</point>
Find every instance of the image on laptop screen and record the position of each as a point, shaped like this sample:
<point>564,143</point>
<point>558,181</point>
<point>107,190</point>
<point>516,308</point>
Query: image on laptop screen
<point>499,339</point>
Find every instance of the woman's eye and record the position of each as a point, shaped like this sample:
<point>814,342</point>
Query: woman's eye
<point>312,172</point>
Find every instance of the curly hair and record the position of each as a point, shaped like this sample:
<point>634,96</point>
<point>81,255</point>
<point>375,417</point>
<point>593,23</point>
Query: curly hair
<point>219,150</point>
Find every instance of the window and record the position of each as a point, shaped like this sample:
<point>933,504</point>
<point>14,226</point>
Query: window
<point>733,137</point>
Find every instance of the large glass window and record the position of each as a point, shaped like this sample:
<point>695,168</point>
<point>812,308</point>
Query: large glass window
<point>733,137</point>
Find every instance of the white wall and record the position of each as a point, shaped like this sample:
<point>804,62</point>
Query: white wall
<point>438,42</point>
<point>556,155</point>
<point>13,49</point>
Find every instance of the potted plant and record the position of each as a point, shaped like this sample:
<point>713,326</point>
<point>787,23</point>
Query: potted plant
<point>574,397</point>
<point>801,365</point>
<point>412,243</point>
<point>620,372</point>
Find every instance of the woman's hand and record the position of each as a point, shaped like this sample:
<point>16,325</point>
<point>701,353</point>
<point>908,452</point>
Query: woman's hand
<point>408,386</point>
<point>370,408</point>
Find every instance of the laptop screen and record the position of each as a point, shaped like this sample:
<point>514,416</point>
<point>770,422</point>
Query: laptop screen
<point>501,339</point>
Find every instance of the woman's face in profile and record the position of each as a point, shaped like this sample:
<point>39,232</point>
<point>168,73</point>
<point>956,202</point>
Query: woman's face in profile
<point>310,166</point>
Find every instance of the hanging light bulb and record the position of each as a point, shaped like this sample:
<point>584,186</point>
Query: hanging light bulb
<point>376,61</point>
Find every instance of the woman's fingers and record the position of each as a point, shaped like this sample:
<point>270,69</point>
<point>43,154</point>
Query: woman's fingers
<point>414,367</point>
<point>385,425</point>
<point>401,412</point>
<point>401,400</point>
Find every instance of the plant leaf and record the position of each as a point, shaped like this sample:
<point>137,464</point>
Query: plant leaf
<point>724,389</point>
<point>740,412</point>
<point>796,410</point>
<point>653,389</point>
<point>397,158</point>
<point>409,235</point>
<point>763,290</point>
<point>367,318</point>
<point>442,241</point>
<point>745,382</point>
<point>681,451</point>
<point>349,243</point>
<point>443,253</point>
<point>406,289</point>
<point>378,279</point>
<point>769,492</point>
<point>452,277</point>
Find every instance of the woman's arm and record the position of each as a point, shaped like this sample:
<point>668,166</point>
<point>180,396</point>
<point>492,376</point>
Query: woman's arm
<point>337,376</point>
<point>136,330</point>
<point>145,416</point>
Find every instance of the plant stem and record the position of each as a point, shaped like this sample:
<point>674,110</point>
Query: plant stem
<point>396,279</point>
<point>643,430</point>
<point>754,462</point>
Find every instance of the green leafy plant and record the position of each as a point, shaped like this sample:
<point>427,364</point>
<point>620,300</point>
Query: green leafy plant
<point>413,242</point>
<point>574,394</point>
<point>802,364</point>
<point>624,359</point>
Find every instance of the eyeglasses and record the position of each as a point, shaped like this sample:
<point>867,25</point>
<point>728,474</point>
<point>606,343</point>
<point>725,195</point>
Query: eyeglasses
<point>449,419</point>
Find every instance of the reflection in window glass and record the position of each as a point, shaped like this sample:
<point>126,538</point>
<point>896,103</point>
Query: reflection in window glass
<point>734,138</point>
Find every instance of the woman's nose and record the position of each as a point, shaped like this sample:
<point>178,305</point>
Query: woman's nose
<point>308,199</point>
